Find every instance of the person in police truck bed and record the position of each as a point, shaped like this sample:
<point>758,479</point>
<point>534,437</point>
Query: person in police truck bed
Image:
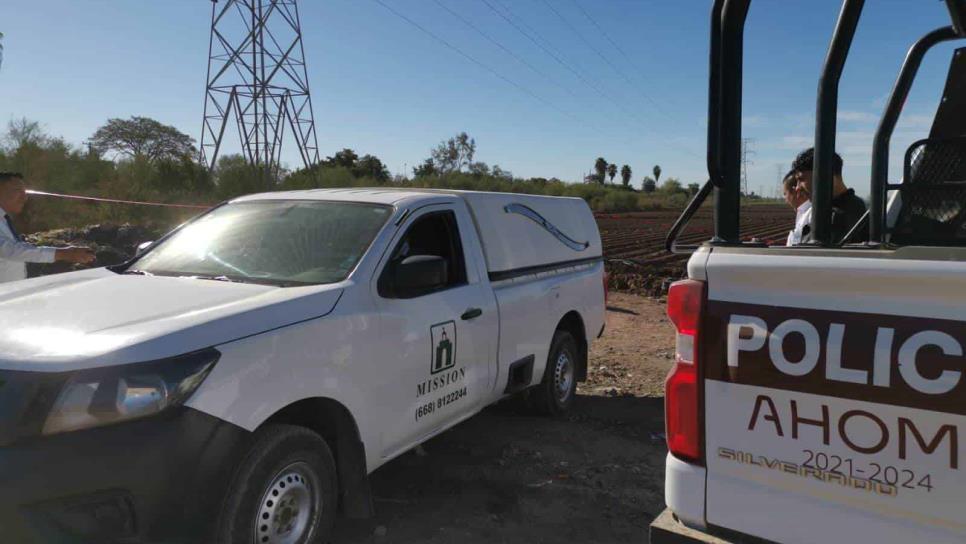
<point>800,202</point>
<point>14,251</point>
<point>847,208</point>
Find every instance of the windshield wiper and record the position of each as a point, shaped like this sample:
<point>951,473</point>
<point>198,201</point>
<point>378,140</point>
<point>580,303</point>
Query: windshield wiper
<point>137,272</point>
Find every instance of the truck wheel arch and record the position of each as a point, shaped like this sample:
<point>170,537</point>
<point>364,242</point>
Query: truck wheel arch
<point>574,324</point>
<point>333,421</point>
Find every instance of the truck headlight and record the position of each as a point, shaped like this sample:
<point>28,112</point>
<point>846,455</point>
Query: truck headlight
<point>102,396</point>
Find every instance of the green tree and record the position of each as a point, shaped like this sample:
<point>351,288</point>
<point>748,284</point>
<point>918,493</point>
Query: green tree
<point>672,186</point>
<point>657,173</point>
<point>428,168</point>
<point>600,167</point>
<point>1,49</point>
<point>649,185</point>
<point>693,188</point>
<point>181,176</point>
<point>346,159</point>
<point>234,177</point>
<point>479,169</point>
<point>454,154</point>
<point>23,132</point>
<point>369,166</point>
<point>142,138</point>
<point>611,171</point>
<point>626,175</point>
<point>498,172</point>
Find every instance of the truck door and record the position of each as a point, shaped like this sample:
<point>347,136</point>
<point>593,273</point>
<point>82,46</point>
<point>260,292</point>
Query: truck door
<point>437,349</point>
<point>834,394</point>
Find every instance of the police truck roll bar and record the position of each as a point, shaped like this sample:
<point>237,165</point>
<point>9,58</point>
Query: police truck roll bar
<point>724,123</point>
<point>817,390</point>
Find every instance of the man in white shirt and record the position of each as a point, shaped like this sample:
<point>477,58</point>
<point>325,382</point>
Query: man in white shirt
<point>801,202</point>
<point>14,251</point>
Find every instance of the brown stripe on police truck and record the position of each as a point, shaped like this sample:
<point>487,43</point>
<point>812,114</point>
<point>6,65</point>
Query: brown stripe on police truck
<point>902,361</point>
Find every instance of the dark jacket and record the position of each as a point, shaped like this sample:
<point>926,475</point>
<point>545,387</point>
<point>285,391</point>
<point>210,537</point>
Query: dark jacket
<point>847,209</point>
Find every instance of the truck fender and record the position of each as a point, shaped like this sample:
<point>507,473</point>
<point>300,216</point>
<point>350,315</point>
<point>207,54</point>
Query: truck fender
<point>574,324</point>
<point>333,421</point>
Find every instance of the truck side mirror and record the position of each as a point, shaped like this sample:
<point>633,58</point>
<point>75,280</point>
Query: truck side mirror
<point>419,274</point>
<point>142,246</point>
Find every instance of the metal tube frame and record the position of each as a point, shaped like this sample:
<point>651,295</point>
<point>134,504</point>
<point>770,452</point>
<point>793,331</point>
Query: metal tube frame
<point>724,122</point>
<point>883,134</point>
<point>727,197</point>
<point>825,120</point>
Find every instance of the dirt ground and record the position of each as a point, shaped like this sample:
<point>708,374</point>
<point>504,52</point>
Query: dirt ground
<point>596,475</point>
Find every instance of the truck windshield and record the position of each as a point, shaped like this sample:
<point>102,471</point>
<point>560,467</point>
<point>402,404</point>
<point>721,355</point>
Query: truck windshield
<point>278,242</point>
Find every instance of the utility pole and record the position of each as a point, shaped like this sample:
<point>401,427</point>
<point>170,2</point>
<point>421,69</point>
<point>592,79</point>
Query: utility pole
<point>781,177</point>
<point>258,79</point>
<point>745,161</point>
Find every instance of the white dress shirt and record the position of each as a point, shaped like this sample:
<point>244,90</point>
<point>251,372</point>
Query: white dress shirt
<point>15,253</point>
<point>803,217</point>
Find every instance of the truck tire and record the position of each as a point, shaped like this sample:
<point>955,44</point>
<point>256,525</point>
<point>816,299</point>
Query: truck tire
<point>556,392</point>
<point>284,491</point>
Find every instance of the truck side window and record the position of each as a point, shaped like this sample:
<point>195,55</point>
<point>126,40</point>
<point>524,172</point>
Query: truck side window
<point>436,234</point>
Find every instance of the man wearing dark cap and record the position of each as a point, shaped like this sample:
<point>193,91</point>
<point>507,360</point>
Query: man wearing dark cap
<point>14,251</point>
<point>847,208</point>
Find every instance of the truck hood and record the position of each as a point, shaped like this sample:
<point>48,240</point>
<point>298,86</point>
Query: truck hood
<point>98,318</point>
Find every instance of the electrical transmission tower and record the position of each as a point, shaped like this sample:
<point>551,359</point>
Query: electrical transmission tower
<point>257,81</point>
<point>745,161</point>
<point>779,169</point>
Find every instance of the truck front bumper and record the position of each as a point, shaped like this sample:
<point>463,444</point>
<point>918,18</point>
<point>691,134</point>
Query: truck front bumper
<point>159,479</point>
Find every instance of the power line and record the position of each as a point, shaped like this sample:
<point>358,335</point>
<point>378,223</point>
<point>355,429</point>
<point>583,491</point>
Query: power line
<point>511,53</point>
<point>779,168</point>
<point>506,79</point>
<point>475,61</point>
<point>580,76</point>
<point>505,49</point>
<point>745,161</point>
<point>603,33</point>
<point>593,48</point>
<point>621,51</point>
<point>563,63</point>
<point>549,52</point>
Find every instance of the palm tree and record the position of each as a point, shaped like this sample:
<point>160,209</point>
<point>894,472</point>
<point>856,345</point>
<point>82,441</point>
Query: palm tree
<point>626,175</point>
<point>611,171</point>
<point>657,173</point>
<point>600,166</point>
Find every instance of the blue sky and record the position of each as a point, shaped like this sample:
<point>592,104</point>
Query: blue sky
<point>635,90</point>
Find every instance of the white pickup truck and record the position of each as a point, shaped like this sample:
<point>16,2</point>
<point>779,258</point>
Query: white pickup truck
<point>818,391</point>
<point>239,379</point>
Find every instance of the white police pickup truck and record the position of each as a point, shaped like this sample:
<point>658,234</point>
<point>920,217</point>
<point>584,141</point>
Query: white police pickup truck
<point>239,379</point>
<point>818,393</point>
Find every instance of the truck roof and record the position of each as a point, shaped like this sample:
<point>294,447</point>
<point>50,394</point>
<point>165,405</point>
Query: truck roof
<point>393,196</point>
<point>375,195</point>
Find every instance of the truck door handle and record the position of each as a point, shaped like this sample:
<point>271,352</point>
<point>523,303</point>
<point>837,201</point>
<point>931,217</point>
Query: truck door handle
<point>472,313</point>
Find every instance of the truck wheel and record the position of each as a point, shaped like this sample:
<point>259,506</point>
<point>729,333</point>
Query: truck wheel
<point>284,492</point>
<point>556,392</point>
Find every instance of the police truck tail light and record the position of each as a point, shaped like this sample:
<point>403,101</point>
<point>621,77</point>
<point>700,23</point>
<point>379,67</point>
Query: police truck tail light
<point>682,408</point>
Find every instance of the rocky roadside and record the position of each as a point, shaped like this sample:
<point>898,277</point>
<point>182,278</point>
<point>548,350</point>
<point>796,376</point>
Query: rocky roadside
<point>112,244</point>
